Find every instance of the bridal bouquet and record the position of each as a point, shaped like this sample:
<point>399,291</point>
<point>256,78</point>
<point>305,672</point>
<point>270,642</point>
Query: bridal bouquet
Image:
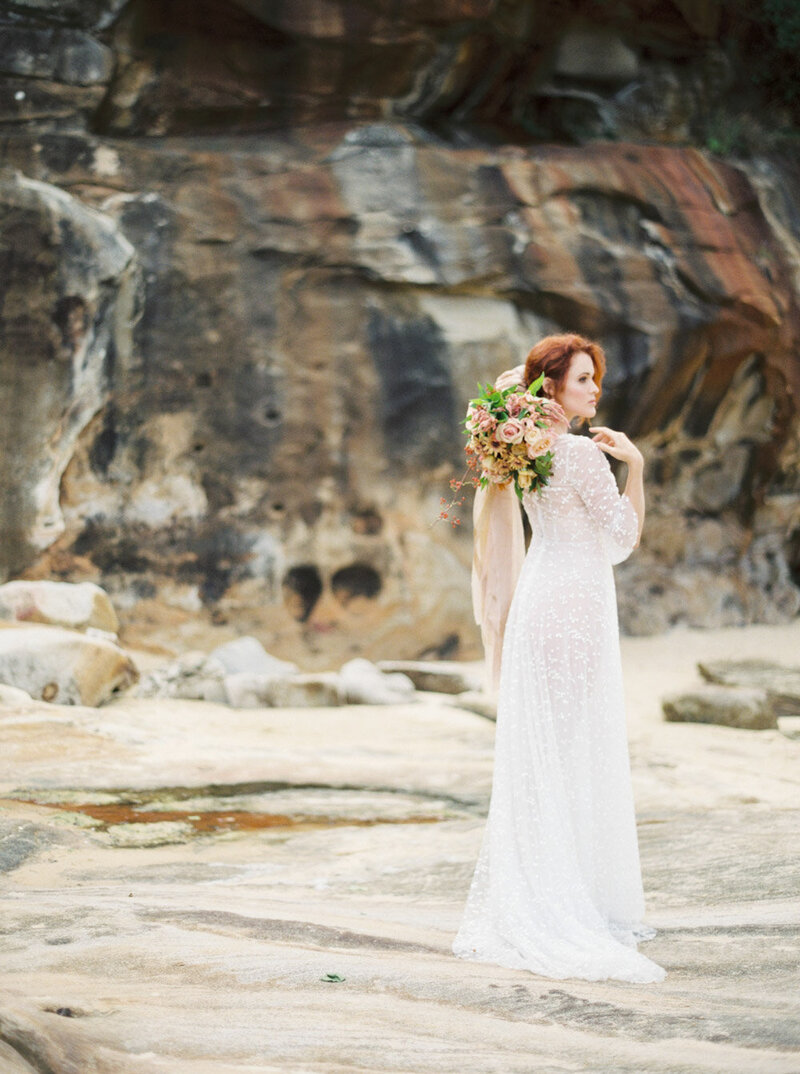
<point>511,432</point>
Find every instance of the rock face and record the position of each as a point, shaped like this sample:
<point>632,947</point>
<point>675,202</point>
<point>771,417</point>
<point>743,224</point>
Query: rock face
<point>465,68</point>
<point>236,363</point>
<point>69,285</point>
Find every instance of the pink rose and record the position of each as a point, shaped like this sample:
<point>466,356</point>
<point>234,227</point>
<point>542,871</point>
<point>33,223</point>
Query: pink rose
<point>510,431</point>
<point>513,405</point>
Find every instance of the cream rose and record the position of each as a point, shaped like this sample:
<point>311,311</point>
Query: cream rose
<point>538,440</point>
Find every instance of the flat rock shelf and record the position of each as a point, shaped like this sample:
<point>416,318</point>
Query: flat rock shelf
<point>190,889</point>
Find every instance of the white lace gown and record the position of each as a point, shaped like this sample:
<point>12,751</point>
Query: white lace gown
<point>557,889</point>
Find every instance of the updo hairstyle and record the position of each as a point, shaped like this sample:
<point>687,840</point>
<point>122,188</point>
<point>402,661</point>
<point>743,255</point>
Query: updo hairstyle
<point>553,354</point>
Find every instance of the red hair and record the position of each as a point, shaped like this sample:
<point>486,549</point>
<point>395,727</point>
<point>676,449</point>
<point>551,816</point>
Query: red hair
<point>553,356</point>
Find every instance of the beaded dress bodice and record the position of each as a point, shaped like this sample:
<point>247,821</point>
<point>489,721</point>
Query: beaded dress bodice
<point>581,504</point>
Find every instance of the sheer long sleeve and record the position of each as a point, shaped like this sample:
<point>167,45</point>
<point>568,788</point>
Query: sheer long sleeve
<point>589,473</point>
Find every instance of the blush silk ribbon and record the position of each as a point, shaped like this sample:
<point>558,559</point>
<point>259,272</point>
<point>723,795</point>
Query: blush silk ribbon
<point>498,552</point>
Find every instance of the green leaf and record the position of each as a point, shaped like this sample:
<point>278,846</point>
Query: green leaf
<point>332,978</point>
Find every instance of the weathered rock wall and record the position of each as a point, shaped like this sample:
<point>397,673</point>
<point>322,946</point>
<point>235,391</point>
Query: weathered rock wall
<point>238,360</point>
<point>69,281</point>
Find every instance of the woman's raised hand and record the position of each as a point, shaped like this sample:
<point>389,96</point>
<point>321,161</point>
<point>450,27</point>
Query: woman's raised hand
<point>511,377</point>
<point>616,444</point>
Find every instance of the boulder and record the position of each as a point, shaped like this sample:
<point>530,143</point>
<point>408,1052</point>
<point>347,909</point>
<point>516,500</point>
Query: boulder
<point>781,683</point>
<point>76,606</point>
<point>437,676</point>
<point>363,683</point>
<point>13,696</point>
<point>595,55</point>
<point>790,726</point>
<point>244,691</point>
<point>63,666</point>
<point>247,656</point>
<point>194,676</point>
<point>731,706</point>
<point>307,691</point>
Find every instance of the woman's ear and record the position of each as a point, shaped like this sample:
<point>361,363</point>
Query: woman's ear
<point>549,387</point>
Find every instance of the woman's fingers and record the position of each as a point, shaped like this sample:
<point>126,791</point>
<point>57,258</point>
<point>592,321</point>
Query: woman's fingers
<point>609,449</point>
<point>603,433</point>
<point>515,376</point>
<point>615,443</point>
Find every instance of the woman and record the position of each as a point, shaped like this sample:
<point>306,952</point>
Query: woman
<point>557,888</point>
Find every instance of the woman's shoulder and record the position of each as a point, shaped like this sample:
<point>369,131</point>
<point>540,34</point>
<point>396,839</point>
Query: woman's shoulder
<point>580,457</point>
<point>576,444</point>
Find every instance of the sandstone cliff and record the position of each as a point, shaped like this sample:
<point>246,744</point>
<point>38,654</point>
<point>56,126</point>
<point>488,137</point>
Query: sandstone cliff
<point>256,256</point>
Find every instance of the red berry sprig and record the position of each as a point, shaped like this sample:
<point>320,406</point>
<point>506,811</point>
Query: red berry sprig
<point>456,501</point>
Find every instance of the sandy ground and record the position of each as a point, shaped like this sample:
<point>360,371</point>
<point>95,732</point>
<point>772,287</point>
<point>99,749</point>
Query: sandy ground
<point>179,880</point>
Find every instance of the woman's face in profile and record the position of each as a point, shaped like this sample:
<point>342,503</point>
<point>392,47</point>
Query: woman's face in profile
<point>578,394</point>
